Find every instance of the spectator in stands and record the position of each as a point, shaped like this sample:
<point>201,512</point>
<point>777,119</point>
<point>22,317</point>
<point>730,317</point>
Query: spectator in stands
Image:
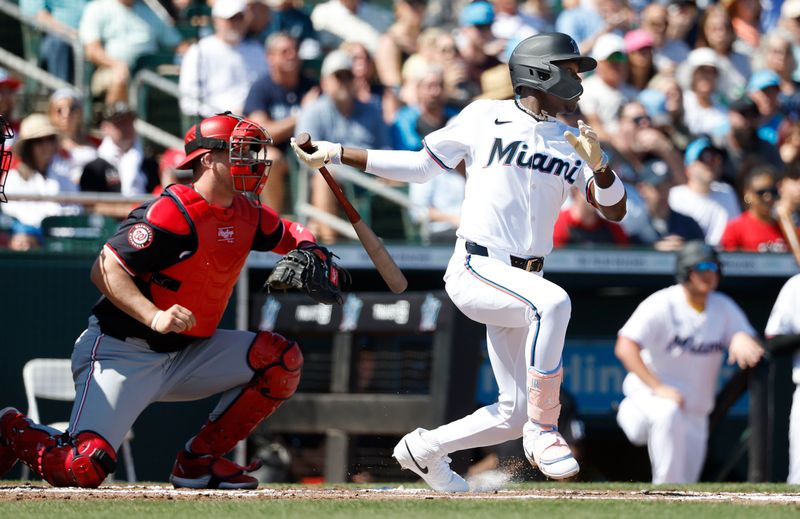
<point>745,16</point>
<point>459,87</point>
<point>764,90</point>
<point>683,21</point>
<point>437,204</point>
<point>289,18</point>
<point>36,151</point>
<point>258,16</point>
<point>789,143</point>
<point>789,193</point>
<point>274,102</point>
<point>607,90</point>
<point>66,114</point>
<point>218,71</point>
<point>169,173</point>
<point>663,100</point>
<point>399,42</point>
<point>743,144</point>
<point>367,86</point>
<point>716,32</point>
<point>63,16</point>
<point>756,229</point>
<point>667,52</point>
<point>444,13</point>
<point>639,48</point>
<point>115,34</point>
<point>581,224</point>
<point>475,42</point>
<point>511,23</point>
<point>703,111</point>
<point>121,166</point>
<point>664,229</point>
<point>775,53</point>
<point>8,100</point>
<point>790,23</point>
<point>638,141</point>
<point>703,198</point>
<point>337,21</point>
<point>338,116</point>
<point>586,23</point>
<point>430,113</point>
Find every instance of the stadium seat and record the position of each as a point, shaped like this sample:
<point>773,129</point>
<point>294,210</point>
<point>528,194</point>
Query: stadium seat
<point>51,379</point>
<point>85,233</point>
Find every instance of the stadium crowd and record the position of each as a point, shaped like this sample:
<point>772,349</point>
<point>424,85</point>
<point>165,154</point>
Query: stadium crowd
<point>697,102</point>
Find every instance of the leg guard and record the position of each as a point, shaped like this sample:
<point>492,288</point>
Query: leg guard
<point>276,362</point>
<point>82,461</point>
<point>544,405</point>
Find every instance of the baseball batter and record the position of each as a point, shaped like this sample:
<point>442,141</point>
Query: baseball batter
<point>783,334</point>
<point>520,164</point>
<point>672,347</point>
<point>166,278</point>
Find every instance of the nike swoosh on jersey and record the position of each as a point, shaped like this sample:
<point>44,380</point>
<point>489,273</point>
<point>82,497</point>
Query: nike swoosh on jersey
<point>499,122</point>
<point>423,470</point>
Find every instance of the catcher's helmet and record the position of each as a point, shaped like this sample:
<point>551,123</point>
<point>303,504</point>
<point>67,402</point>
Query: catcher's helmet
<point>692,254</point>
<point>245,141</point>
<point>533,63</point>
<point>6,133</point>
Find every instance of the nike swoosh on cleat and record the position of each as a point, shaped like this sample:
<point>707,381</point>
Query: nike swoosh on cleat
<point>423,470</point>
<point>499,122</point>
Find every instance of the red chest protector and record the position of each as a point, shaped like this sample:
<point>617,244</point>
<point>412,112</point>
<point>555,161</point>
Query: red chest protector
<point>204,281</point>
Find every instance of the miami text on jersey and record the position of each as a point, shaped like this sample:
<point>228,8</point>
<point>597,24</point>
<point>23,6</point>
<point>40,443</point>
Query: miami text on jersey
<point>516,153</point>
<point>689,345</point>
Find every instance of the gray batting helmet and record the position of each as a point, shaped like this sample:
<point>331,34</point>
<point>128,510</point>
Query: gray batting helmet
<point>533,64</point>
<point>692,254</point>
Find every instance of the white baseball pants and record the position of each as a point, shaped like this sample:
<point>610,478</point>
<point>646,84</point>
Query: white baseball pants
<point>526,318</point>
<point>675,439</point>
<point>794,439</point>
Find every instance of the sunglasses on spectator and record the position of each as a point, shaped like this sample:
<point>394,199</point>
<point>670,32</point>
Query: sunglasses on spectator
<point>706,266</point>
<point>768,193</point>
<point>640,119</point>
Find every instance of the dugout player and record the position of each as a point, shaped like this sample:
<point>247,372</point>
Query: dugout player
<point>166,277</point>
<point>520,162</point>
<point>783,336</point>
<point>672,347</point>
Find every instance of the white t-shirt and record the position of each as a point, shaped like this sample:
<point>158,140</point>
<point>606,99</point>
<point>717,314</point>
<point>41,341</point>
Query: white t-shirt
<point>711,211</point>
<point>219,75</point>
<point>133,180</point>
<point>785,317</point>
<point>681,346</point>
<point>30,213</point>
<point>519,171</point>
<point>711,120</point>
<point>604,102</point>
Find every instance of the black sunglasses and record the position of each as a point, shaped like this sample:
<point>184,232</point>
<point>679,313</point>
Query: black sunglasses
<point>771,191</point>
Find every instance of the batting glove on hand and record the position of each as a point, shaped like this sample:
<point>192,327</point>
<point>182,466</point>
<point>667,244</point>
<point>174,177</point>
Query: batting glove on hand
<point>326,153</point>
<point>588,146</point>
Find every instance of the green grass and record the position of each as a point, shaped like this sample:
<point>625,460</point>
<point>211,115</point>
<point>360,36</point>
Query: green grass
<point>416,507</point>
<point>422,509</point>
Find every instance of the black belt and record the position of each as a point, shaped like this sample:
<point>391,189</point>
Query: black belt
<point>534,264</point>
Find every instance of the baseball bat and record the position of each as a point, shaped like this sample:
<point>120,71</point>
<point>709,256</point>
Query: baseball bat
<point>787,226</point>
<point>380,257</point>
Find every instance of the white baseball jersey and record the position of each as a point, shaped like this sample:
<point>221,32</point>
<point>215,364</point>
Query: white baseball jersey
<point>519,171</point>
<point>785,317</point>
<point>681,346</point>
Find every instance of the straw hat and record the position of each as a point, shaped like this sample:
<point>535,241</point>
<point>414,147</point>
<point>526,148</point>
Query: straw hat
<point>35,126</point>
<point>496,83</point>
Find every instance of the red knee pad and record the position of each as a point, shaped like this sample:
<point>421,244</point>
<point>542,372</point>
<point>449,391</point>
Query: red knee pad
<point>277,362</point>
<point>84,461</point>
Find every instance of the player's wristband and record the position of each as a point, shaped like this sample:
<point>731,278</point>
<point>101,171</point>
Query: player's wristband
<point>610,195</point>
<point>154,322</point>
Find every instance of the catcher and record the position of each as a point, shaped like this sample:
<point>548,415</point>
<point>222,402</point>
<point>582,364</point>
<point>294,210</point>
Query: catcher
<point>165,279</point>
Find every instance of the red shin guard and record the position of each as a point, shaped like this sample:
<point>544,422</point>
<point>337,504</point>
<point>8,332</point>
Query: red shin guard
<point>276,362</point>
<point>82,461</point>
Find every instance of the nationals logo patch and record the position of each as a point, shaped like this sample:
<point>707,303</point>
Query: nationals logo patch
<point>140,236</point>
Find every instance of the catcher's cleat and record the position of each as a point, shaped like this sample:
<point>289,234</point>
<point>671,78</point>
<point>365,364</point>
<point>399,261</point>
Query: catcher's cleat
<point>7,457</point>
<point>548,451</point>
<point>196,471</point>
<point>415,454</point>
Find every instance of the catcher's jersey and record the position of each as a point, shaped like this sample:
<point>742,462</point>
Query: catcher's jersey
<point>519,171</point>
<point>785,317</point>
<point>681,346</point>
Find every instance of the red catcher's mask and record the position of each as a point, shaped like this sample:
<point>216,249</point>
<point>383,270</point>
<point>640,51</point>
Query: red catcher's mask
<point>6,133</point>
<point>245,141</point>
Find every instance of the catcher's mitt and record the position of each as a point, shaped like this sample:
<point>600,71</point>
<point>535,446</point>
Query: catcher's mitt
<point>311,269</point>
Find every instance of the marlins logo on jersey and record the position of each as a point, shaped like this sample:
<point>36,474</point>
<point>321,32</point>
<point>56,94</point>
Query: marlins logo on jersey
<point>517,153</point>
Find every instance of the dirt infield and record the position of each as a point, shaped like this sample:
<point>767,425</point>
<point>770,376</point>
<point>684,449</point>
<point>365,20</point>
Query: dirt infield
<point>130,492</point>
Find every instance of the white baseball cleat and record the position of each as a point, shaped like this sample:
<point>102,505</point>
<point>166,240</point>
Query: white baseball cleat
<point>415,454</point>
<point>548,451</point>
